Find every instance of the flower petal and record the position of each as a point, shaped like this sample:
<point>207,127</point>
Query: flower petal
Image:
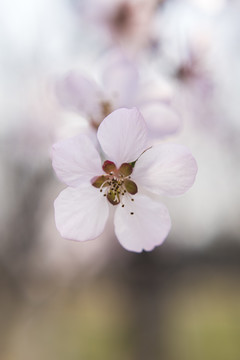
<point>166,169</point>
<point>80,94</point>
<point>81,213</point>
<point>146,228</point>
<point>120,81</point>
<point>161,119</point>
<point>76,160</point>
<point>123,135</point>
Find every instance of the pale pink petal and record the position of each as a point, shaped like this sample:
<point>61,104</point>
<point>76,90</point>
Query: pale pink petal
<point>146,228</point>
<point>160,118</point>
<point>166,169</point>
<point>81,213</point>
<point>76,160</point>
<point>120,82</point>
<point>80,94</point>
<point>123,135</point>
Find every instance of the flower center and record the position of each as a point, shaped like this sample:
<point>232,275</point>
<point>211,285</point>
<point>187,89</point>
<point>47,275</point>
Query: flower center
<point>122,19</point>
<point>106,109</point>
<point>116,183</point>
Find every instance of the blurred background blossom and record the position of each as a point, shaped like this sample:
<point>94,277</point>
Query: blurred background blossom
<point>61,299</point>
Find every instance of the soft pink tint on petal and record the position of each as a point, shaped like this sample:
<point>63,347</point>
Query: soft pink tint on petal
<point>80,94</point>
<point>120,81</point>
<point>76,160</point>
<point>123,135</point>
<point>146,228</point>
<point>166,169</point>
<point>161,119</point>
<point>81,213</point>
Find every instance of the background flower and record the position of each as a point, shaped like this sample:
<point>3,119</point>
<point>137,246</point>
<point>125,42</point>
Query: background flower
<point>120,87</point>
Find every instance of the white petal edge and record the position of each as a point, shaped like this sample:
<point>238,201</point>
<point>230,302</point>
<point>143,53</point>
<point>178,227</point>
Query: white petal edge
<point>81,213</point>
<point>76,160</point>
<point>123,135</point>
<point>160,118</point>
<point>146,228</point>
<point>167,169</point>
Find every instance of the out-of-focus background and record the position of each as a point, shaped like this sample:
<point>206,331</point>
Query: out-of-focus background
<point>65,300</point>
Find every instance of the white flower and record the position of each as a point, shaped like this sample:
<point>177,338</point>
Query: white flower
<point>128,180</point>
<point>120,86</point>
<point>125,23</point>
